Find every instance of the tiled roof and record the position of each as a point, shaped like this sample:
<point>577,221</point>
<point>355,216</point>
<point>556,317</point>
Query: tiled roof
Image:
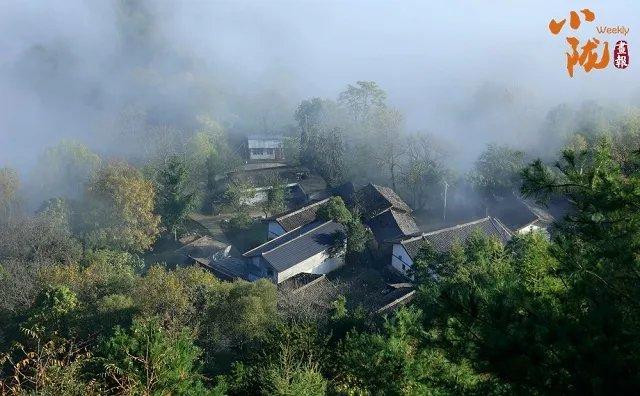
<point>261,177</point>
<point>300,217</point>
<point>442,240</point>
<point>203,249</point>
<point>513,212</point>
<point>302,243</point>
<point>392,224</point>
<point>264,137</point>
<point>375,199</point>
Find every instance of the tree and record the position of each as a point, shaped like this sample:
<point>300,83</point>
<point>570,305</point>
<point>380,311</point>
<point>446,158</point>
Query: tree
<point>362,99</point>
<point>424,171</point>
<point>497,171</point>
<point>497,310</point>
<point>357,235</point>
<point>387,124</point>
<point>335,210</point>
<point>209,157</point>
<point>119,206</point>
<point>147,359</point>
<point>395,360</point>
<point>46,367</point>
<point>174,201</point>
<point>276,200</point>
<point>64,170</point>
<point>596,247</point>
<point>9,184</point>
<point>237,196</point>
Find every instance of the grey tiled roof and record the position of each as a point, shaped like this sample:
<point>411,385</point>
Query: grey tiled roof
<point>443,240</point>
<point>300,217</point>
<point>375,199</point>
<point>513,212</point>
<point>392,224</point>
<point>302,243</point>
<point>202,249</point>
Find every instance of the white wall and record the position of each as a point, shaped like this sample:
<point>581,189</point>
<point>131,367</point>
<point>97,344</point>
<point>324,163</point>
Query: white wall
<point>529,228</point>
<point>321,263</point>
<point>262,156</point>
<point>399,257</point>
<point>275,230</point>
<point>264,143</point>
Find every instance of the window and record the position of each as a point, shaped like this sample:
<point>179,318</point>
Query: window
<point>404,267</point>
<point>257,151</point>
<point>269,151</point>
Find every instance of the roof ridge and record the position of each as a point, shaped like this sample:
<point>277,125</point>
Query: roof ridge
<point>301,209</point>
<point>502,226</point>
<point>271,240</point>
<point>293,239</point>
<point>435,232</point>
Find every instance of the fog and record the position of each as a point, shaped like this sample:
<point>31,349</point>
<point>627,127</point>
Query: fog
<point>473,72</point>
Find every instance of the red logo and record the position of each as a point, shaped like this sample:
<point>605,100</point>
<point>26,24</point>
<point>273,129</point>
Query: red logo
<point>621,55</point>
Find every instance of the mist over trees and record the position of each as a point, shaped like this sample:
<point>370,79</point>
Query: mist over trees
<point>120,143</point>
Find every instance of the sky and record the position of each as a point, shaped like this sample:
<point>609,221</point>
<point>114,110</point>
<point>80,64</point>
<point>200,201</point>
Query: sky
<point>68,68</point>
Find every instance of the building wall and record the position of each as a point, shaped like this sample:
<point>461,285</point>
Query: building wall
<point>529,228</point>
<point>265,149</point>
<point>265,268</point>
<point>262,154</point>
<point>260,194</point>
<point>275,230</point>
<point>264,143</point>
<point>321,263</point>
<point>400,259</point>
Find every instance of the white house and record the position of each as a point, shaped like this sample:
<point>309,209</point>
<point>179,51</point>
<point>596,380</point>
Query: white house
<point>265,147</point>
<point>519,215</point>
<point>316,248</point>
<point>405,251</point>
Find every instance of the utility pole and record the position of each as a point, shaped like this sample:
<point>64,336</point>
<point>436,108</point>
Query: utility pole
<point>444,212</point>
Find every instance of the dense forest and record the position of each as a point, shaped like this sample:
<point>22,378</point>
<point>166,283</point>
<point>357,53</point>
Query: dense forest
<point>83,312</point>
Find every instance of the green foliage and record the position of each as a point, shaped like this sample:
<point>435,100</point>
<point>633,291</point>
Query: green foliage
<point>45,367</point>
<point>64,169</point>
<point>174,201</point>
<point>396,361</point>
<point>276,201</point>
<point>236,201</point>
<point>595,248</point>
<point>497,171</point>
<point>362,99</point>
<point>118,213</point>
<point>335,210</point>
<point>9,184</point>
<point>147,359</point>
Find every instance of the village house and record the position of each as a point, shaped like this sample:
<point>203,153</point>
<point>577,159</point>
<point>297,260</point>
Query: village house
<point>405,251</point>
<point>263,147</point>
<point>519,215</point>
<point>299,182</point>
<point>386,214</point>
<point>316,248</point>
<point>293,219</point>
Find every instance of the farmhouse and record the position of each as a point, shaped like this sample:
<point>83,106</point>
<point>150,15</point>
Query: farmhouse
<point>373,200</point>
<point>316,248</point>
<point>405,251</point>
<point>519,215</point>
<point>298,181</point>
<point>386,214</point>
<point>293,219</point>
<point>204,250</point>
<point>391,225</point>
<point>265,147</point>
